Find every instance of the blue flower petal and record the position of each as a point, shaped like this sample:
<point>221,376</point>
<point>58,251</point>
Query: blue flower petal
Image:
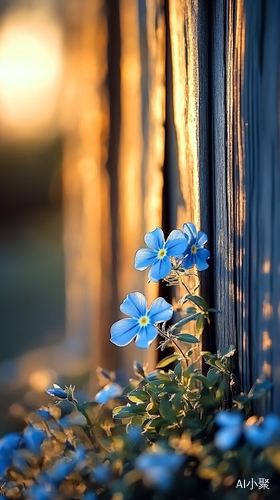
<point>228,437</point>
<point>33,438</point>
<point>226,418</point>
<point>190,232</point>
<point>264,434</point>
<point>188,261</point>
<point>202,238</point>
<point>155,239</point>
<point>200,258</point>
<point>9,442</point>
<point>4,464</point>
<point>58,392</point>
<point>134,305</point>
<point>110,391</point>
<point>124,331</point>
<point>146,336</point>
<point>176,243</point>
<point>160,269</point>
<point>160,311</point>
<point>144,258</point>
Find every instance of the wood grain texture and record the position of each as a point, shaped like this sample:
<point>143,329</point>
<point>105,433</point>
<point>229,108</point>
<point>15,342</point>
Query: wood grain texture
<point>260,112</point>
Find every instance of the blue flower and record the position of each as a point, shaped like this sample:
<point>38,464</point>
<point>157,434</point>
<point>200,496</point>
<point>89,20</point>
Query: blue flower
<point>109,391</point>
<point>57,391</point>
<point>42,491</point>
<point>141,323</point>
<point>33,438</point>
<point>44,412</point>
<point>263,434</point>
<point>101,473</point>
<point>231,424</point>
<point>158,253</point>
<point>9,442</point>
<point>195,253</point>
<point>60,470</point>
<point>72,419</point>
<point>159,467</point>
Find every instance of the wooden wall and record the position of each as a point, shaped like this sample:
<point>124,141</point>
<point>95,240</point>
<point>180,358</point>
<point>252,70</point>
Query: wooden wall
<point>184,123</point>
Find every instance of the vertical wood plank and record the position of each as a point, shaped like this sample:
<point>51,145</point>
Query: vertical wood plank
<point>86,185</point>
<point>153,130</point>
<point>262,182</point>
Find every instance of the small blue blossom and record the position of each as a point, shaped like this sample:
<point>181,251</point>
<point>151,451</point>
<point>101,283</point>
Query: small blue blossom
<point>33,438</point>
<point>109,391</point>
<point>134,435</point>
<point>61,469</point>
<point>195,253</point>
<point>158,253</point>
<point>8,445</point>
<point>263,434</point>
<point>142,322</point>
<point>5,462</point>
<point>101,473</point>
<point>231,424</point>
<point>9,442</point>
<point>90,495</point>
<point>42,492</point>
<point>72,419</point>
<point>44,413</point>
<point>57,391</point>
<point>159,468</point>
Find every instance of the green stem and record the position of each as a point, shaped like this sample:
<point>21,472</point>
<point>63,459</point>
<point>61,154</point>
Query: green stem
<point>181,351</point>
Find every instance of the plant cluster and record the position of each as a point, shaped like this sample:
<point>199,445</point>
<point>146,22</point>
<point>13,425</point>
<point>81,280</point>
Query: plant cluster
<point>167,434</point>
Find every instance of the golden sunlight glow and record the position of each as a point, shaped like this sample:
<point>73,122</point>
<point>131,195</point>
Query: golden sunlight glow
<point>266,267</point>
<point>41,379</point>
<point>267,308</point>
<point>30,73</point>
<point>266,341</point>
<point>267,369</point>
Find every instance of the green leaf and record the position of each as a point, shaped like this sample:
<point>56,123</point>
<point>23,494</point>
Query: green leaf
<point>191,310</point>
<point>199,301</point>
<point>184,321</point>
<point>207,402</point>
<point>213,377</point>
<point>138,369</point>
<point>242,399</point>
<point>221,390</point>
<point>165,409</point>
<point>157,422</point>
<point>138,396</point>
<point>221,366</point>
<point>188,372</point>
<point>138,420</point>
<point>200,323</point>
<point>213,310</point>
<point>169,359</point>
<point>178,371</point>
<point>130,411</point>
<point>188,338</point>
<point>259,389</point>
<point>227,351</point>
<point>203,379</point>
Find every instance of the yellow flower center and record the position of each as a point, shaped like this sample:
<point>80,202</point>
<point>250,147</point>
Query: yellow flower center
<point>144,320</point>
<point>194,249</point>
<point>161,253</point>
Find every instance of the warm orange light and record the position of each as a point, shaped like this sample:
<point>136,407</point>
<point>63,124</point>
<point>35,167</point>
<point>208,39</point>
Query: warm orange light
<point>30,73</point>
<point>41,379</point>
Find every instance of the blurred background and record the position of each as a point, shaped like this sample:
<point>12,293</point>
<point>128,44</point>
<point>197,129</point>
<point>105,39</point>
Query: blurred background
<point>116,117</point>
<point>82,162</point>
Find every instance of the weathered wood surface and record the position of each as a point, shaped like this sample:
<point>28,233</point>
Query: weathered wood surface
<point>193,135</point>
<point>260,112</point>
